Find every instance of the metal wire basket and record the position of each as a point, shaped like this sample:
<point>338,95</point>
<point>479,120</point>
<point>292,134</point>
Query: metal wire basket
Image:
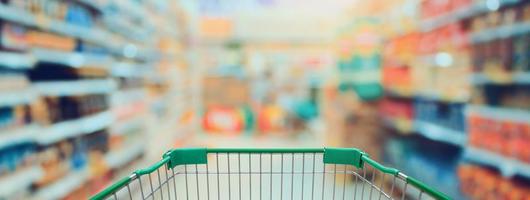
<point>220,173</point>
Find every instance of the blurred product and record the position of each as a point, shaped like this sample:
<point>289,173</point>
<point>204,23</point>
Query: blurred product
<point>483,183</point>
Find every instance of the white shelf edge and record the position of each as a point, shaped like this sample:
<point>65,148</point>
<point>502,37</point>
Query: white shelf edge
<point>76,127</point>
<point>19,180</point>
<point>515,78</point>
<point>500,32</point>
<point>516,115</point>
<point>124,97</point>
<point>440,133</point>
<point>19,135</point>
<point>63,186</point>
<point>124,127</point>
<point>16,60</point>
<point>118,158</point>
<point>17,97</point>
<point>73,59</point>
<point>26,18</point>
<point>507,166</point>
<point>75,87</point>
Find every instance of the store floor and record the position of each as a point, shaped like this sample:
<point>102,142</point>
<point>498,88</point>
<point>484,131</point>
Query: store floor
<point>255,176</point>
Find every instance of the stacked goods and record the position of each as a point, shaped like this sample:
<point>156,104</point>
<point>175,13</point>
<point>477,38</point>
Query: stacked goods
<point>509,138</point>
<point>497,56</point>
<point>483,183</point>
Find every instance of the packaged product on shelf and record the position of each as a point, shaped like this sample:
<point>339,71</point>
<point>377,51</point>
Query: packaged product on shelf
<point>16,157</point>
<point>13,37</point>
<point>500,136</point>
<point>483,183</point>
<point>12,117</point>
<point>50,40</point>
<point>51,110</point>
<point>54,162</point>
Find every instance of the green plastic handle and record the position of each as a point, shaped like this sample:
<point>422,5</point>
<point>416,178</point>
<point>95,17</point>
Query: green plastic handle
<point>348,156</point>
<point>111,189</point>
<point>434,193</point>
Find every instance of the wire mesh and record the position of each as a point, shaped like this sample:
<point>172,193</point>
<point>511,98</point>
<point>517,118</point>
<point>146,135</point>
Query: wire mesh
<point>268,176</point>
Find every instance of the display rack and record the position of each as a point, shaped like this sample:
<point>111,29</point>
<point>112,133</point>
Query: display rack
<point>124,49</point>
<point>507,166</point>
<point>440,133</point>
<point>475,8</point>
<point>64,186</point>
<point>23,179</point>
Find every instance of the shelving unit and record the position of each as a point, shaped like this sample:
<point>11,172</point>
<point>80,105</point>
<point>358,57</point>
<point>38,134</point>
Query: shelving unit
<point>72,59</point>
<point>76,87</point>
<point>23,179</point>
<point>72,128</point>
<point>25,134</point>
<point>462,13</point>
<point>440,133</point>
<point>507,166</point>
<point>64,186</point>
<point>502,32</point>
<point>116,159</point>
<point>18,97</point>
<point>16,60</point>
<point>26,18</point>
<point>498,113</point>
<point>121,48</point>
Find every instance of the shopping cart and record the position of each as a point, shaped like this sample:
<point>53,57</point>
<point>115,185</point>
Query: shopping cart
<point>221,173</point>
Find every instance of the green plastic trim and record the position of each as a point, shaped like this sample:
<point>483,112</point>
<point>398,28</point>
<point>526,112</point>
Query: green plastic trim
<point>345,156</point>
<point>111,189</point>
<point>434,193</point>
<point>152,168</point>
<point>186,156</point>
<point>267,150</point>
<point>379,167</point>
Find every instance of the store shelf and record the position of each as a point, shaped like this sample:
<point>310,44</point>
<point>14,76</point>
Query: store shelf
<point>64,186</point>
<point>20,61</point>
<point>77,87</point>
<point>72,128</point>
<point>440,133</point>
<point>26,18</point>
<point>128,153</point>
<point>502,32</point>
<point>125,69</point>
<point>474,9</point>
<point>502,79</point>
<point>126,126</point>
<point>435,96</point>
<point>507,166</point>
<point>72,59</point>
<point>17,97</point>
<point>507,114</point>
<point>18,181</point>
<point>123,97</point>
<point>24,134</point>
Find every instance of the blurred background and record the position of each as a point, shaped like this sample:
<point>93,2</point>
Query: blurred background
<point>91,90</point>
